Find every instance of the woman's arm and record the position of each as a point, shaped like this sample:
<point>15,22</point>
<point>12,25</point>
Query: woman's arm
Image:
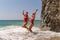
<point>23,13</point>
<point>36,11</point>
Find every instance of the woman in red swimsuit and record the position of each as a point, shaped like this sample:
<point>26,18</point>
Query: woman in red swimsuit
<point>25,19</point>
<point>32,20</point>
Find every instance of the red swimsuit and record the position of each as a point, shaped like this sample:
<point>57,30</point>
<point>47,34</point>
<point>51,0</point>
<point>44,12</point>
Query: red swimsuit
<point>26,18</point>
<point>32,20</point>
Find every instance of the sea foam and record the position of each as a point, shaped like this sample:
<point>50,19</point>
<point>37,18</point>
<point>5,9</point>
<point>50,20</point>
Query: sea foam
<point>19,33</point>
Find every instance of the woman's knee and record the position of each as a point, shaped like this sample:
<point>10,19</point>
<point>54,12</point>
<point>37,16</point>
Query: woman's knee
<point>32,24</point>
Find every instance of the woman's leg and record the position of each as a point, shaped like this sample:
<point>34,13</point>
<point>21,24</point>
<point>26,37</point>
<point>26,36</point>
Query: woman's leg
<point>30,27</point>
<point>24,25</point>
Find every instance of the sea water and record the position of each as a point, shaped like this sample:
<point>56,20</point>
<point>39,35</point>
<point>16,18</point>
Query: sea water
<point>5,24</point>
<point>16,22</point>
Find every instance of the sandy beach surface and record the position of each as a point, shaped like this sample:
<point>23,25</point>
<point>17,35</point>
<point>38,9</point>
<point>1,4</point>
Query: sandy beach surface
<point>23,34</point>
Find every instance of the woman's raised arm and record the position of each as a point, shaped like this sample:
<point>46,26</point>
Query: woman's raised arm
<point>23,13</point>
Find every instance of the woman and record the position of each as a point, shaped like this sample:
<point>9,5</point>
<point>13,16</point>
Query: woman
<point>25,19</point>
<point>32,20</point>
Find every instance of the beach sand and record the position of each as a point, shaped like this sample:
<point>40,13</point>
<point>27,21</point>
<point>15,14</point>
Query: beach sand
<point>23,34</point>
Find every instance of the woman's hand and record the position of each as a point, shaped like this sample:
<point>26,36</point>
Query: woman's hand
<point>23,12</point>
<point>36,10</point>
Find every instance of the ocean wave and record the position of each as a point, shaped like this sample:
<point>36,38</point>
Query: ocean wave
<point>19,33</point>
<point>8,27</point>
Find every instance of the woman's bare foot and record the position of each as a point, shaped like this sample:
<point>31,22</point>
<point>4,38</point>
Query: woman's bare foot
<point>23,27</point>
<point>29,30</point>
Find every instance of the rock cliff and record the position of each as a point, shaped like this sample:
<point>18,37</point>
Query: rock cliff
<point>50,14</point>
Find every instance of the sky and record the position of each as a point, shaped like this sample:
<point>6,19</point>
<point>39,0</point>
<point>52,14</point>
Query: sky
<point>12,9</point>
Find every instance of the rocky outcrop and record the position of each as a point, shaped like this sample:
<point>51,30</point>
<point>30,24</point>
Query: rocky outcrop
<point>50,14</point>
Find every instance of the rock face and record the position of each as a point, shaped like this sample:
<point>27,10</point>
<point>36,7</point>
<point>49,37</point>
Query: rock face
<point>50,14</point>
